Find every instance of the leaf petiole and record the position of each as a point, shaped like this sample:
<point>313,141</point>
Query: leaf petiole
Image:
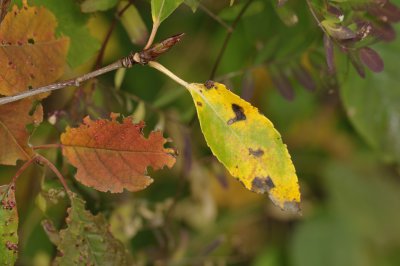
<point>167,72</point>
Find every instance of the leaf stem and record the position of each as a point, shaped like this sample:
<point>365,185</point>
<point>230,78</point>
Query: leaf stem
<point>52,167</point>
<point>153,33</point>
<point>47,146</point>
<point>167,72</point>
<point>228,37</point>
<point>23,168</point>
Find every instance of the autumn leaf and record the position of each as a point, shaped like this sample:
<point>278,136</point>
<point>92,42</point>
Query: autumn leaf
<point>3,8</point>
<point>87,240</point>
<point>247,143</point>
<point>14,117</point>
<point>111,156</point>
<point>30,55</point>
<point>8,225</point>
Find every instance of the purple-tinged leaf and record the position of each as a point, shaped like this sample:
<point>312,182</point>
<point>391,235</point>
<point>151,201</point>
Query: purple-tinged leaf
<point>358,66</point>
<point>328,45</point>
<point>304,78</point>
<point>342,33</point>
<point>335,11</point>
<point>364,29</point>
<point>386,13</point>
<point>371,59</point>
<point>284,86</point>
<point>338,31</point>
<point>384,32</point>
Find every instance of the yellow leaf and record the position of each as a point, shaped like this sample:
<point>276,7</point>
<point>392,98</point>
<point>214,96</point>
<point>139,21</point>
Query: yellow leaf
<point>247,143</point>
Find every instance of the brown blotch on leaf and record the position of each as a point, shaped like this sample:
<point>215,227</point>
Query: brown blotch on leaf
<point>239,114</point>
<point>209,84</point>
<point>11,246</point>
<point>262,184</point>
<point>199,104</point>
<point>256,153</point>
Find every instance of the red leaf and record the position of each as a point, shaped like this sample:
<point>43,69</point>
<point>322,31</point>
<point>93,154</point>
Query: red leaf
<point>111,156</point>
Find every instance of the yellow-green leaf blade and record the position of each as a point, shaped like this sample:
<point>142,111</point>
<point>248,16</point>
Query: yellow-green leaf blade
<point>247,143</point>
<point>161,9</point>
<point>8,225</point>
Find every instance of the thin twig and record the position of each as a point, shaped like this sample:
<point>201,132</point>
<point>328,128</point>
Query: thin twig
<point>47,146</point>
<point>23,168</point>
<point>49,164</point>
<point>59,85</point>
<point>143,57</point>
<point>227,38</point>
<point>117,16</point>
<point>215,17</point>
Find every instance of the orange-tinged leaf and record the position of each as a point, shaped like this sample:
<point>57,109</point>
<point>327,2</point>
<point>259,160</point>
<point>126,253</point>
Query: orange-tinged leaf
<point>13,133</point>
<point>111,156</point>
<point>30,55</point>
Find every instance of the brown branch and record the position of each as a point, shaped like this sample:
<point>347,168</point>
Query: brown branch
<point>228,37</point>
<point>143,58</point>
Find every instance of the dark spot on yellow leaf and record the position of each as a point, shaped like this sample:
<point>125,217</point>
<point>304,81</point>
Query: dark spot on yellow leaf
<point>256,153</point>
<point>199,104</point>
<point>209,84</point>
<point>31,41</point>
<point>239,114</point>
<point>262,184</point>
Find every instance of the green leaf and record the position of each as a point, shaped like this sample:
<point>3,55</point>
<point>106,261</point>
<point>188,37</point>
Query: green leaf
<point>372,104</point>
<point>247,143</point>
<point>161,9</point>
<point>360,212</point>
<point>193,4</point>
<point>97,5</point>
<point>87,240</point>
<point>8,225</point>
<point>72,23</point>
<point>133,24</point>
